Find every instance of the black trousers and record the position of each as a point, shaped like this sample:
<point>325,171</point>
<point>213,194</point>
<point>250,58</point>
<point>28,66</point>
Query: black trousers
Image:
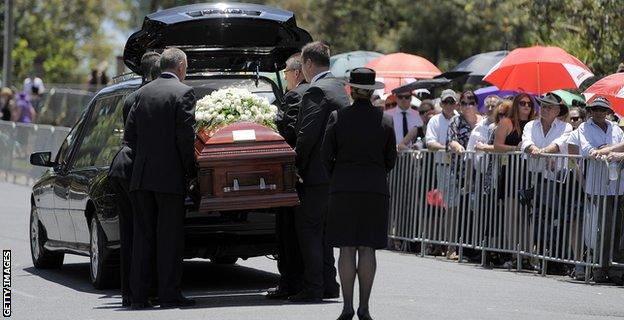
<point>122,200</point>
<point>319,274</point>
<point>158,232</point>
<point>289,261</point>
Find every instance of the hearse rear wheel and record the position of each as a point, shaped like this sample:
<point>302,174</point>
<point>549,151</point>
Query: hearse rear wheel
<point>103,275</point>
<point>41,258</point>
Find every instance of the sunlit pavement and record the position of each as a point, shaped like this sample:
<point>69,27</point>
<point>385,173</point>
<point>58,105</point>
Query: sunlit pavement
<point>406,287</point>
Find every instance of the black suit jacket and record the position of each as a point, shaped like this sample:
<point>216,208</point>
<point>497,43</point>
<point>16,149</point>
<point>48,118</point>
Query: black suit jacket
<point>121,166</point>
<point>359,149</point>
<point>287,121</point>
<point>160,131</point>
<point>319,100</point>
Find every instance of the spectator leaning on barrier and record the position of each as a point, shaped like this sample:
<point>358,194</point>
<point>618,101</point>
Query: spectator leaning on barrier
<point>437,128</point>
<point>576,116</point>
<point>547,134</point>
<point>426,110</point>
<point>482,130</point>
<point>404,117</point>
<point>595,135</point>
<point>436,137</point>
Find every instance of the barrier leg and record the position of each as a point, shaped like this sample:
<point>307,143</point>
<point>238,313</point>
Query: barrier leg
<point>483,254</point>
<point>518,258</point>
<point>423,245</point>
<point>544,263</point>
<point>461,250</point>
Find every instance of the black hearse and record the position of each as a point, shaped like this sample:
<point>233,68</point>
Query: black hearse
<point>73,209</point>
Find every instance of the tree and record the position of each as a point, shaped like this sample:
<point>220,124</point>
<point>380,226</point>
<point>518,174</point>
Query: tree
<point>58,34</point>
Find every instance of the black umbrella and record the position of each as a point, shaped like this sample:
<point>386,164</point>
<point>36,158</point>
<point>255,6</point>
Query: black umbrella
<point>477,66</point>
<point>422,84</point>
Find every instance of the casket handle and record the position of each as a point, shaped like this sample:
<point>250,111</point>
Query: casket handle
<point>261,186</point>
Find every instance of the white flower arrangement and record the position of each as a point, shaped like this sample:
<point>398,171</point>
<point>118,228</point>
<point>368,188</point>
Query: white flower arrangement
<point>226,106</point>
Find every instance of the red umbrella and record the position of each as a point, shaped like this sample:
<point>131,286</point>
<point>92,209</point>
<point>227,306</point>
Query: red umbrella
<point>397,69</point>
<point>610,87</point>
<point>538,70</point>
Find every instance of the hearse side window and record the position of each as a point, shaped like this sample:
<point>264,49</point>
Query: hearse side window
<point>63,153</point>
<point>101,132</point>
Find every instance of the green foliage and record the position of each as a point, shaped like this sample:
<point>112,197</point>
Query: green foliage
<point>62,33</point>
<point>59,34</point>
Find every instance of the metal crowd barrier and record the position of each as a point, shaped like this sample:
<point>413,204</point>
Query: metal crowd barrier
<point>18,141</point>
<point>551,208</point>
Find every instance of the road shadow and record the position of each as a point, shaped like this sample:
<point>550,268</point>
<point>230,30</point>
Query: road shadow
<point>212,285</point>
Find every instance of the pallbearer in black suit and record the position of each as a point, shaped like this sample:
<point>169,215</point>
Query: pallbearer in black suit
<point>359,149</point>
<point>289,262</point>
<point>119,175</point>
<point>160,131</point>
<point>324,95</point>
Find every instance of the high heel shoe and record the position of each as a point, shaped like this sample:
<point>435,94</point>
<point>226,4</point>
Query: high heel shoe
<point>346,316</point>
<point>364,316</point>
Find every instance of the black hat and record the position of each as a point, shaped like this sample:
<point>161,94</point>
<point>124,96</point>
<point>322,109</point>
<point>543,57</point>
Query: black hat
<point>364,78</point>
<point>600,102</point>
<point>553,99</point>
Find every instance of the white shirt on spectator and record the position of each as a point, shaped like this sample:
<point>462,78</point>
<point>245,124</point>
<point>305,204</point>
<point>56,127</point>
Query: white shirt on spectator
<point>574,138</point>
<point>413,120</point>
<point>480,133</point>
<point>437,130</point>
<point>558,134</point>
<point>591,136</point>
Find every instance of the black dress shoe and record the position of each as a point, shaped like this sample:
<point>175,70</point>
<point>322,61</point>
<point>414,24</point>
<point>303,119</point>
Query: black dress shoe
<point>125,301</point>
<point>346,316</point>
<point>305,297</point>
<point>278,293</point>
<point>140,305</point>
<point>331,294</point>
<point>179,303</point>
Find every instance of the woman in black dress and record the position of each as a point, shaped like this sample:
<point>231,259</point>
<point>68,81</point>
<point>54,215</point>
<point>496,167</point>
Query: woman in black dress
<point>358,151</point>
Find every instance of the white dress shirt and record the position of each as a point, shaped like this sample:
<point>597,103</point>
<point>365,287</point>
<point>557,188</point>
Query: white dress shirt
<point>171,73</point>
<point>318,76</point>
<point>437,130</point>
<point>413,120</point>
<point>481,133</point>
<point>591,136</point>
<point>575,138</point>
<point>558,134</point>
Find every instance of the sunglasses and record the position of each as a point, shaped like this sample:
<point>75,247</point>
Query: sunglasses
<point>448,101</point>
<point>423,112</point>
<point>467,103</point>
<point>575,119</point>
<point>525,104</point>
<point>400,96</point>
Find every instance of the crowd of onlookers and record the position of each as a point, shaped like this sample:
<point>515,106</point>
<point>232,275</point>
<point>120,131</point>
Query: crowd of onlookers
<point>22,106</point>
<point>524,123</point>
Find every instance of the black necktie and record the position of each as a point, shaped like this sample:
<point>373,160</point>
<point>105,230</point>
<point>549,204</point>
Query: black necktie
<point>404,123</point>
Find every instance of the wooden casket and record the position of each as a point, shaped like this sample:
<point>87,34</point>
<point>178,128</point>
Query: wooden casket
<point>244,166</point>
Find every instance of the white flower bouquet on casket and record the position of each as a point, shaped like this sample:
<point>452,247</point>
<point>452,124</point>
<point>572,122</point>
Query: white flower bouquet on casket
<point>225,106</point>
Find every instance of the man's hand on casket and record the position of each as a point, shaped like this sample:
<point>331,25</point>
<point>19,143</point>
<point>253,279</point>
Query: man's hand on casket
<point>299,177</point>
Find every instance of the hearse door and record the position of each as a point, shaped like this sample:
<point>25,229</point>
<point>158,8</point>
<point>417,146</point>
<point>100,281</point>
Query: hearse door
<point>61,185</point>
<point>99,143</point>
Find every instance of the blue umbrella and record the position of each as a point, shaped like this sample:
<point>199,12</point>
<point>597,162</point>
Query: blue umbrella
<point>492,90</point>
<point>341,64</point>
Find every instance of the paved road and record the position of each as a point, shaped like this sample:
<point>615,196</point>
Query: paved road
<point>407,287</point>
